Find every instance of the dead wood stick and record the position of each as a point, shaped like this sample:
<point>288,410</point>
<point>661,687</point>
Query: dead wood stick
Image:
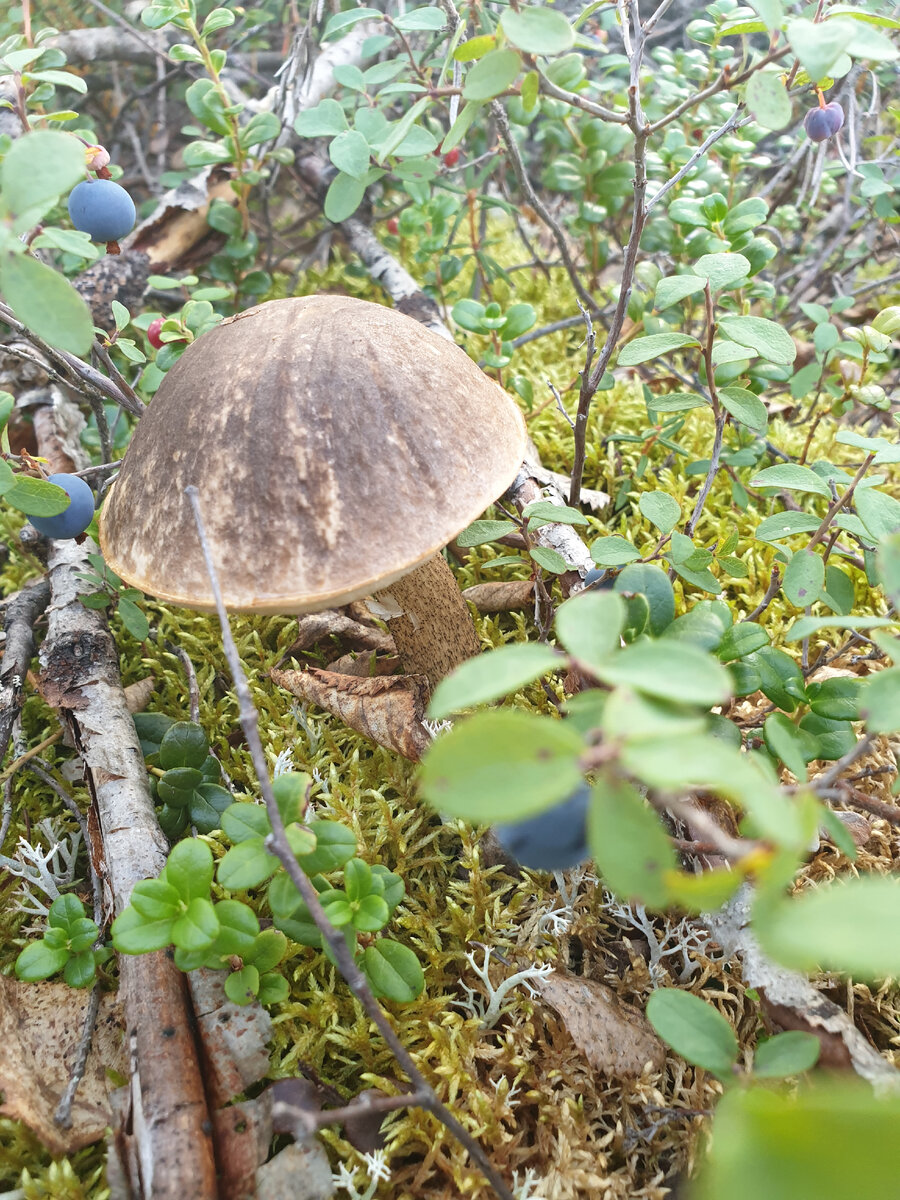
<point>170,1117</point>
<point>18,651</point>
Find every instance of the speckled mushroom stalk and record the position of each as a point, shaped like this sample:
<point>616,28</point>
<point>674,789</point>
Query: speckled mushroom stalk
<point>337,446</point>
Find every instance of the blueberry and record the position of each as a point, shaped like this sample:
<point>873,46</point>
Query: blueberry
<point>74,519</point>
<point>102,209</point>
<point>553,840</point>
<point>823,123</point>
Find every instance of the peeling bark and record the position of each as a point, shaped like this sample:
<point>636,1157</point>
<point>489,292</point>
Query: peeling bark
<point>169,1118</point>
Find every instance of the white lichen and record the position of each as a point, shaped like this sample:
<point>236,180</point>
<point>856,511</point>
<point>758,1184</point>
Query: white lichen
<point>45,872</point>
<point>488,1008</point>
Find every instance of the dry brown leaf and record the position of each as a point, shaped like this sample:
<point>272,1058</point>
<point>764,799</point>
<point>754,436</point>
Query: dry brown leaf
<point>137,695</point>
<point>387,710</point>
<point>314,628</point>
<point>364,665</point>
<point>614,1037</point>
<point>501,597</point>
<point>40,1028</point>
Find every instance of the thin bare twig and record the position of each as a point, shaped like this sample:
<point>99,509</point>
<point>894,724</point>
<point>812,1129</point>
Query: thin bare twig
<point>278,844</point>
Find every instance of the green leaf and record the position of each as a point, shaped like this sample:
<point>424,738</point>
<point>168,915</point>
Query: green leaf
<point>786,1054</point>
<point>771,12</point>
<point>804,577</point>
<point>480,532</point>
<point>768,100</point>
<point>245,865</point>
<point>628,844</point>
<point>613,551</point>
<point>289,790</point>
<point>642,349</point>
<point>770,340</point>
<point>46,302</point>
<point>491,75</point>
<point>339,23</point>
<point>462,124</point>
<point>722,270</point>
<point>694,1029</point>
<point>244,820</point>
<point>198,927</point>
<point>273,989</point>
<point>325,120</point>
<point>745,407</point>
<point>184,744</point>
<point>430,19</point>
<point>588,626</point>
<point>792,477</point>
<point>268,949</point>
<point>398,131</point>
<point>371,914</point>
<point>787,742</point>
<point>538,30</point>
<point>816,1141</point>
<point>155,900</point>
<point>677,287</point>
<point>819,45</point>
<point>241,986</point>
<point>807,626</point>
<point>344,196</point>
<point>879,512</point>
<point>653,582</point>
<point>541,511</point>
<point>490,676</point>
<point>40,961</point>
<point>80,970</point>
<point>661,509</point>
<point>134,934</point>
<point>836,699</point>
<point>741,639</point>
<point>238,928</point>
<point>669,669</point>
<point>851,926</point>
<point>189,869</point>
<point>501,766</point>
<point>39,167</point>
<point>335,845</point>
<point>393,971</point>
<point>349,152</point>
<point>549,559</point>
<point>786,524</point>
<point>880,701</point>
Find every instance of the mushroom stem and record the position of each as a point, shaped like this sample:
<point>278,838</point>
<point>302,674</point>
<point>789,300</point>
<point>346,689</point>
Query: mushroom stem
<point>433,631</point>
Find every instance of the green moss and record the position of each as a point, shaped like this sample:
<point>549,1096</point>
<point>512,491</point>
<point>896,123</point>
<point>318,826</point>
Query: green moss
<point>562,1119</point>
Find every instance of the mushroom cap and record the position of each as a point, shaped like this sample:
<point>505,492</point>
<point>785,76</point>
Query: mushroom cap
<point>336,445</point>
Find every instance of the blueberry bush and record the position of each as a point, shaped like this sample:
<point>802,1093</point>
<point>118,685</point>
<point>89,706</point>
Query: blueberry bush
<point>668,231</point>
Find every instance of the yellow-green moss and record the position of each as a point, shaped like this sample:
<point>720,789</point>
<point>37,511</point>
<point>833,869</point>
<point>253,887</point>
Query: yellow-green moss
<point>577,1129</point>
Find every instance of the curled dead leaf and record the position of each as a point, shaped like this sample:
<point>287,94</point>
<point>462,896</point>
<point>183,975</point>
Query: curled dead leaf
<point>616,1038</point>
<point>501,597</point>
<point>388,710</point>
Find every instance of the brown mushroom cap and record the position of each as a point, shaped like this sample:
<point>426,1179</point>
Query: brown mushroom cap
<point>336,444</point>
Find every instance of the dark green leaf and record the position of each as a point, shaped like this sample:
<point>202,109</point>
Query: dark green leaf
<point>629,845</point>
<point>694,1029</point>
<point>393,971</point>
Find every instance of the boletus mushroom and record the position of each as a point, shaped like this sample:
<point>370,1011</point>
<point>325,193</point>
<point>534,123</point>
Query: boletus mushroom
<point>337,446</point>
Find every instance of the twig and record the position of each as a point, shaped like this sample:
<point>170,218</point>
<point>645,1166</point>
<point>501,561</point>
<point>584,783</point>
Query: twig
<point>29,754</point>
<point>499,114</point>
<point>63,1114</point>
<point>720,414</point>
<point>278,844</point>
<point>771,593</point>
<point>833,774</point>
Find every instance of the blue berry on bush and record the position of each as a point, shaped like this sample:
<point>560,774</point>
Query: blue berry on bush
<point>551,841</point>
<point>823,122</point>
<point>102,209</point>
<point>74,519</point>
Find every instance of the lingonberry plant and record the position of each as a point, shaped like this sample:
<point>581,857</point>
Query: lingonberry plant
<point>670,231</point>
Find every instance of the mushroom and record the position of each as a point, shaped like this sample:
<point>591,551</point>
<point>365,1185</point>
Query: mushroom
<point>338,445</point>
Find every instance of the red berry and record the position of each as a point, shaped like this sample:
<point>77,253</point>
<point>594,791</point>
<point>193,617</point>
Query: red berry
<point>392,226</point>
<point>153,333</point>
<point>451,158</point>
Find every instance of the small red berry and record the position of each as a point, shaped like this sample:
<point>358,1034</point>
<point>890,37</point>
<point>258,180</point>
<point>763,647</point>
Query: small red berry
<point>392,226</point>
<point>153,333</point>
<point>451,158</point>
